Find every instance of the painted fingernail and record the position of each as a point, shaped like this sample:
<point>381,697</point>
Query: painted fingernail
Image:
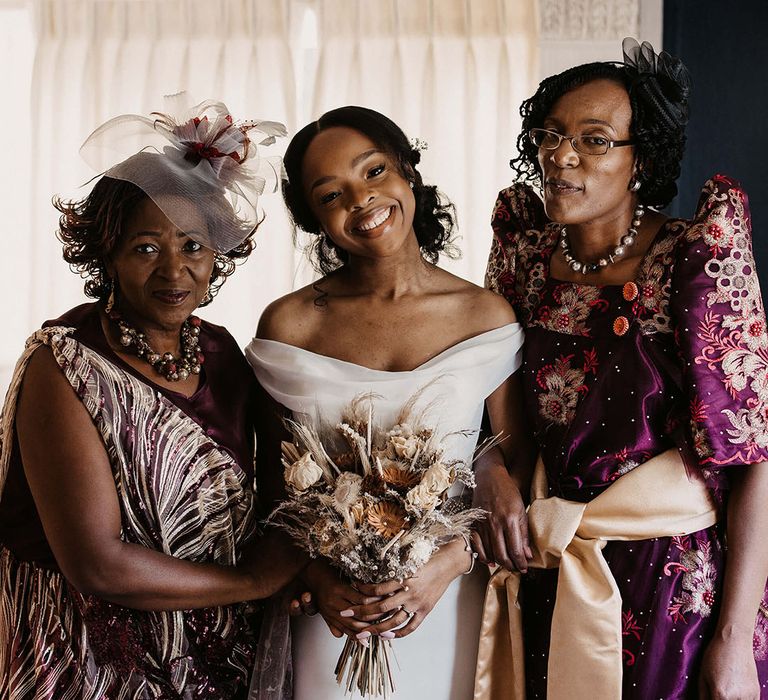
<point>347,613</point>
<point>387,635</point>
<point>361,636</point>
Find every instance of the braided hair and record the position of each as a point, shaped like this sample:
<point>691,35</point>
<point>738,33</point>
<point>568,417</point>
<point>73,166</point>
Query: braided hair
<point>658,88</point>
<point>433,219</point>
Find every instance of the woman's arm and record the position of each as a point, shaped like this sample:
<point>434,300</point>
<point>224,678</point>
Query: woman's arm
<point>503,478</point>
<point>729,669</point>
<point>71,481</point>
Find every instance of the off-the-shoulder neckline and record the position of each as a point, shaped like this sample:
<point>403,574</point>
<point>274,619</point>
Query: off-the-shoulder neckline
<point>456,347</point>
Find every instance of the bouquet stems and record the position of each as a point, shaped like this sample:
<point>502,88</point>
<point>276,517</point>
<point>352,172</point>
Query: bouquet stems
<point>366,667</point>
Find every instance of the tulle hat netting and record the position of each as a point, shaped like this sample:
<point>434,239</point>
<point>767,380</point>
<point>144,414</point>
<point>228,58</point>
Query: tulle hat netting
<point>189,158</point>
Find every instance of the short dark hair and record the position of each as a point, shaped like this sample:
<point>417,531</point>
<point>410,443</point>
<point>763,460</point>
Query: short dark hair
<point>91,228</point>
<point>433,219</point>
<point>659,116</point>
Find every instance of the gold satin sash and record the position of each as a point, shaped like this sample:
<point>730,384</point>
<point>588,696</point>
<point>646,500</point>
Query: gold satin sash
<point>656,499</point>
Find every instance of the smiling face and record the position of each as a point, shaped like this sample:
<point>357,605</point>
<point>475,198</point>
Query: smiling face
<point>356,191</point>
<point>581,189</point>
<point>162,275</point>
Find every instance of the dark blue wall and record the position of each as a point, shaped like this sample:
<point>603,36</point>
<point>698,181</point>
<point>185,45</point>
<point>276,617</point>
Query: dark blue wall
<point>725,46</point>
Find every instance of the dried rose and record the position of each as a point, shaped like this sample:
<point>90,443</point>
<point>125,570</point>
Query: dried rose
<point>303,472</point>
<point>435,481</point>
<point>437,478</point>
<point>405,446</point>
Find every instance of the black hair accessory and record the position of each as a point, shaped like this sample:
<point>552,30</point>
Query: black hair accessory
<point>660,78</point>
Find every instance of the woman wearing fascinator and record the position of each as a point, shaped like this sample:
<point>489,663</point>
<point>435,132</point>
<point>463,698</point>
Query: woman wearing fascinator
<point>646,359</point>
<point>127,523</point>
<point>385,319</point>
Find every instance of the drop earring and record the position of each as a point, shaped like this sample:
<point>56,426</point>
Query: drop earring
<point>111,298</point>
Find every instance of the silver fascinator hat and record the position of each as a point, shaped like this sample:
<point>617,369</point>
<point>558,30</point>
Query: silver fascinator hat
<point>192,156</point>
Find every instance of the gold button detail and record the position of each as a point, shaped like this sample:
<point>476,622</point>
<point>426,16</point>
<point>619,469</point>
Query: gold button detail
<point>620,325</point>
<point>630,291</point>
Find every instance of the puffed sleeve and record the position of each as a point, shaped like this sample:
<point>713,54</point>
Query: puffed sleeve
<point>720,329</point>
<point>517,215</point>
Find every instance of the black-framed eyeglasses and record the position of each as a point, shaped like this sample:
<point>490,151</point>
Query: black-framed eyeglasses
<point>585,144</point>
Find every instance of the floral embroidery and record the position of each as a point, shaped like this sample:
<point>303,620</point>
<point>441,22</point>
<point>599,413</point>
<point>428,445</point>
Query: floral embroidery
<point>654,281</point>
<point>573,306</point>
<point>517,263</point>
<point>698,412</point>
<point>735,344</point>
<point>743,360</point>
<point>497,266</point>
<point>563,384</point>
<point>625,464</point>
<point>629,628</point>
<point>698,581</point>
<point>760,637</point>
<point>501,209</point>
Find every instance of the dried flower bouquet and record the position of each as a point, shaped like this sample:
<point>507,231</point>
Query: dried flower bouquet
<point>374,502</point>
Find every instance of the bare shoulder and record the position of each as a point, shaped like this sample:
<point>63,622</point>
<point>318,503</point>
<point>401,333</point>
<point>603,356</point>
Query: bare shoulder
<point>44,380</point>
<point>47,401</point>
<point>287,319</point>
<point>494,308</point>
<point>488,309</point>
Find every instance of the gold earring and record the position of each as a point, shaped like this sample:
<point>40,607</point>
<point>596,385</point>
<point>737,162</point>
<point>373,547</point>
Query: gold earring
<point>111,299</point>
<point>207,297</point>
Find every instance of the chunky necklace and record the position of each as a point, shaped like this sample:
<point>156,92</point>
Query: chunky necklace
<point>172,368</point>
<point>627,241</point>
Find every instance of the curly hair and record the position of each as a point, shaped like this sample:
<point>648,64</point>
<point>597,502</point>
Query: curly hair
<point>90,229</point>
<point>659,115</point>
<point>433,220</point>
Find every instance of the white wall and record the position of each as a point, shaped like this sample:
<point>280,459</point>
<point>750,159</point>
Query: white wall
<point>580,31</point>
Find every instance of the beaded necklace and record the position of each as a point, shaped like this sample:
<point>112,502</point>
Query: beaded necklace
<point>627,240</point>
<point>172,368</point>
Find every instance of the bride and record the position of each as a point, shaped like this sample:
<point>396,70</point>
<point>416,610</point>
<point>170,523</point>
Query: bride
<point>385,319</point>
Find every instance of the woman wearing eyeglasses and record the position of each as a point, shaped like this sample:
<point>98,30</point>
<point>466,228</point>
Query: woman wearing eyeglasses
<point>646,381</point>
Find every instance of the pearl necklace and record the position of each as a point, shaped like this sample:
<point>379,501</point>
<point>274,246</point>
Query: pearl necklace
<point>627,240</point>
<point>171,368</point>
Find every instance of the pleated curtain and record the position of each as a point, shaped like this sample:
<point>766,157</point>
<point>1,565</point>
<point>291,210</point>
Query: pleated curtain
<point>450,72</point>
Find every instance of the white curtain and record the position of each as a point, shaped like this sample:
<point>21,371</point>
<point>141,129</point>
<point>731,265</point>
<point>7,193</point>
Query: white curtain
<point>451,72</point>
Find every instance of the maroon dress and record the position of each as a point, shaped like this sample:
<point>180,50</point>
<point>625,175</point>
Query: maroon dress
<point>183,470</point>
<point>616,374</point>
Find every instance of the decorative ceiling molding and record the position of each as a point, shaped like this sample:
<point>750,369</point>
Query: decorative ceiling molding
<point>589,20</point>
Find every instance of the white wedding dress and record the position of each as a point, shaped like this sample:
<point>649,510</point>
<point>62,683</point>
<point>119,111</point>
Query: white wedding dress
<point>437,661</point>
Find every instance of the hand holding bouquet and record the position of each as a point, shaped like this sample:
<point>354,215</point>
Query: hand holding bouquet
<point>374,502</point>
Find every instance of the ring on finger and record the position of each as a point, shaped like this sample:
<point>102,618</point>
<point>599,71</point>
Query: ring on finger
<point>406,611</point>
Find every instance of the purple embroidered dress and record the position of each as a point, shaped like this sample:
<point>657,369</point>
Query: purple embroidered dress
<point>183,470</point>
<point>617,374</point>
